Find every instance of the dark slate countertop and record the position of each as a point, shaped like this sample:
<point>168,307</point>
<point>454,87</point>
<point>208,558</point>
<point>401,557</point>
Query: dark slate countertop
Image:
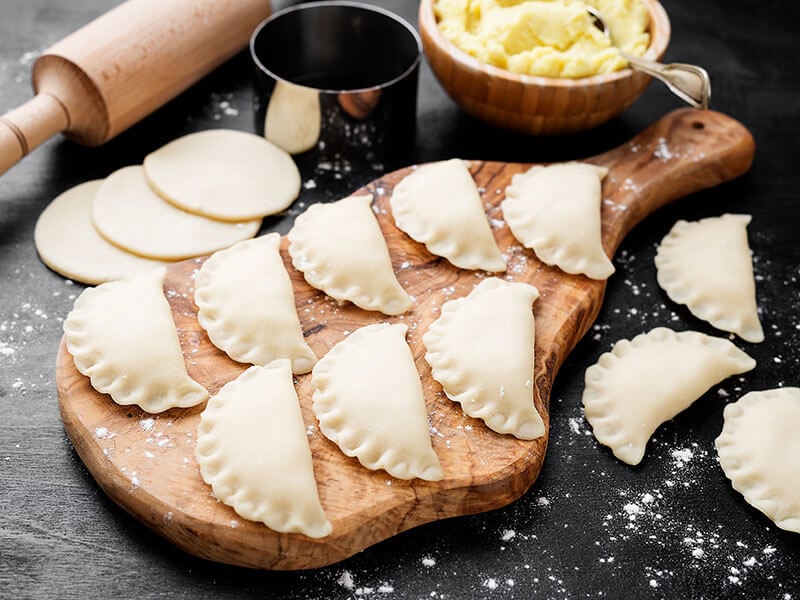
<point>590,527</point>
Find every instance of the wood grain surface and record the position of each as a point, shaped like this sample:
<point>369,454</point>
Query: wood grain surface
<point>146,464</point>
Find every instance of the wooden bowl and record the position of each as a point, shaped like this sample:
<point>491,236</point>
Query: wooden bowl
<point>530,104</point>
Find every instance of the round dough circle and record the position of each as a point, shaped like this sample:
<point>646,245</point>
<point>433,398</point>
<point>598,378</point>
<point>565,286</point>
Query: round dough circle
<point>224,174</point>
<point>68,243</point>
<point>129,214</point>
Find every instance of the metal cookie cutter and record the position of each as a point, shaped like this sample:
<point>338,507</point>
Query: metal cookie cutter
<point>338,80</point>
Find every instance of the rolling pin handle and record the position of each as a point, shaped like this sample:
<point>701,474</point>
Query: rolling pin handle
<point>28,126</point>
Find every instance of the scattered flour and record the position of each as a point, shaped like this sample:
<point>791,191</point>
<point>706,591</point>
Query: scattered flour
<point>346,580</point>
<point>663,151</point>
<point>682,457</point>
<point>222,105</point>
<point>490,583</point>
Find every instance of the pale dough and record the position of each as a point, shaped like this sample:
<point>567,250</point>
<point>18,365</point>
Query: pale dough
<point>246,304</point>
<point>293,120</point>
<point>340,250</point>
<point>759,450</point>
<point>128,213</point>
<point>224,174</point>
<point>369,402</point>
<point>121,335</point>
<point>707,266</point>
<point>439,205</point>
<point>68,243</point>
<point>481,350</point>
<point>253,451</point>
<point>645,382</point>
<point>555,211</point>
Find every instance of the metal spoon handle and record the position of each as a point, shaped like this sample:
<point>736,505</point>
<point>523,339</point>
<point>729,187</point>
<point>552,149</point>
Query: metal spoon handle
<point>689,82</point>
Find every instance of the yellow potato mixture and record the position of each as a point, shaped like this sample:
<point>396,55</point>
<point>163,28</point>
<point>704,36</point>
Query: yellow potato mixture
<point>549,38</point>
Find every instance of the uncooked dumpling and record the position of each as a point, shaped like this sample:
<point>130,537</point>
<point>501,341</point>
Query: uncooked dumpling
<point>439,205</point>
<point>246,304</point>
<point>340,250</point>
<point>253,451</point>
<point>68,243</point>
<point>645,382</point>
<point>555,211</point>
<point>759,450</point>
<point>224,174</point>
<point>368,399</point>
<point>128,213</point>
<point>707,266</point>
<point>121,335</point>
<point>481,350</point>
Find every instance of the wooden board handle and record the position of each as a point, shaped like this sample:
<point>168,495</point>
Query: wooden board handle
<point>682,153</point>
<point>26,127</point>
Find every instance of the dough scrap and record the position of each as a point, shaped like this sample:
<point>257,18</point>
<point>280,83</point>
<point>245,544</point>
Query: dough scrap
<point>121,335</point>
<point>129,214</point>
<point>253,451</point>
<point>224,174</point>
<point>293,120</point>
<point>369,402</point>
<point>246,305</point>
<point>68,243</point>
<point>707,266</point>
<point>759,452</point>
<point>555,211</point>
<point>645,382</point>
<point>481,350</point>
<point>340,250</point>
<point>439,205</point>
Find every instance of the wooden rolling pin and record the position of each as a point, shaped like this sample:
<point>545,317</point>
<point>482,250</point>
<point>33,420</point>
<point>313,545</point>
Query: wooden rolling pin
<point>122,66</point>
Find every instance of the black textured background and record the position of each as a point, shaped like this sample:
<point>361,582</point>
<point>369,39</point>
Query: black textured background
<point>591,526</point>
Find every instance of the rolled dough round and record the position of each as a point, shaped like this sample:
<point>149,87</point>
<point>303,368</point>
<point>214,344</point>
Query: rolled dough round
<point>224,174</point>
<point>68,243</point>
<point>129,214</point>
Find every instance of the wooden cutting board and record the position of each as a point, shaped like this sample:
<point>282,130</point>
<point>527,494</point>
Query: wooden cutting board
<point>146,463</point>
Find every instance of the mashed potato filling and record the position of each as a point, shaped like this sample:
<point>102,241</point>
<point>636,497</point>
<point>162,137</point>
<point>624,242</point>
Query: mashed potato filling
<point>548,38</point>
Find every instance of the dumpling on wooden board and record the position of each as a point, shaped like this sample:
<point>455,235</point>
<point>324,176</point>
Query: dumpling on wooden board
<point>439,205</point>
<point>646,381</point>
<point>369,402</point>
<point>253,451</point>
<point>759,451</point>
<point>340,250</point>
<point>707,266</point>
<point>121,335</point>
<point>481,350</point>
<point>246,305</point>
<point>555,211</point>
